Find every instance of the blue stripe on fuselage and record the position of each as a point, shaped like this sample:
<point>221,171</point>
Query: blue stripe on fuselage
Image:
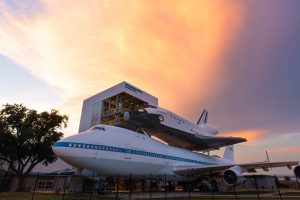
<point>124,150</point>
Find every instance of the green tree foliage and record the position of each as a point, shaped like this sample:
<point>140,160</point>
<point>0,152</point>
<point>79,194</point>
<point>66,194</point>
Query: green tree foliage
<point>26,137</point>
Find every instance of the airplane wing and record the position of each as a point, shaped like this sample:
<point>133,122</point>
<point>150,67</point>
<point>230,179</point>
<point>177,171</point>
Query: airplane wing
<point>248,167</point>
<point>195,142</point>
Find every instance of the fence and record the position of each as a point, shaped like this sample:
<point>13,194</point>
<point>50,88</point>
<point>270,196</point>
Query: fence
<point>61,187</point>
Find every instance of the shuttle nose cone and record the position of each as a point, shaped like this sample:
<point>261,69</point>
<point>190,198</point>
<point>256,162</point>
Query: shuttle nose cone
<point>126,116</point>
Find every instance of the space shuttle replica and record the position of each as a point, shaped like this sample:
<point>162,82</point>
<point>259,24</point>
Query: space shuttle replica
<point>179,132</point>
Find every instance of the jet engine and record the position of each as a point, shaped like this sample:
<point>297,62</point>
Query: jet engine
<point>233,175</point>
<point>297,171</point>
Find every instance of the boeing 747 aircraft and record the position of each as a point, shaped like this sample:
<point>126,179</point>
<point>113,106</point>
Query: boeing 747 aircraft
<point>111,150</point>
<point>177,131</point>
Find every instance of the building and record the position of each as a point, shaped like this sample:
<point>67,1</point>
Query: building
<point>108,107</point>
<point>261,181</point>
<point>45,183</point>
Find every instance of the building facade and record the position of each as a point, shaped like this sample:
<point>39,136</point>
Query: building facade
<point>108,107</point>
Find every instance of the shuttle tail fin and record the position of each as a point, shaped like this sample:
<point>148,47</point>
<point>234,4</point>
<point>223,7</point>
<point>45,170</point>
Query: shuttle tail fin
<point>203,117</point>
<point>229,153</point>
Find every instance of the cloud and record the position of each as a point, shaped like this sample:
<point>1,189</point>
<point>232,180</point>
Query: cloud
<point>260,86</point>
<point>167,47</point>
<point>288,150</point>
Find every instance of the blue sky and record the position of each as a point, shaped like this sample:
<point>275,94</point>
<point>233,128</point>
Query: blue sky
<point>20,86</point>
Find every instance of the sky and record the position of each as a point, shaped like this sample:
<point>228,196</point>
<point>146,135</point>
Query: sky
<point>239,59</point>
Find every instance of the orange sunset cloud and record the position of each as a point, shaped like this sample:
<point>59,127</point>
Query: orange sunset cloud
<point>162,47</point>
<point>291,149</point>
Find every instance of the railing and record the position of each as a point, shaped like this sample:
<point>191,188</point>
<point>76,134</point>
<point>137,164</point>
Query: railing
<point>41,186</point>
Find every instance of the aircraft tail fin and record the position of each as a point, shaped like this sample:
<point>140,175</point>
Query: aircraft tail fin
<point>229,153</point>
<point>203,117</point>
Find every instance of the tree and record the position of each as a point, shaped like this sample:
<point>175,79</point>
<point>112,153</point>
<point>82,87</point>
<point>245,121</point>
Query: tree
<point>26,137</point>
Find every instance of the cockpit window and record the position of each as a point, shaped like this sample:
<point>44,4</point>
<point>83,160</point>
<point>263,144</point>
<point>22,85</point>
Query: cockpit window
<point>141,131</point>
<point>98,128</point>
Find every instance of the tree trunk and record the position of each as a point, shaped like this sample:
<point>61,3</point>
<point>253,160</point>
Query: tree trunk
<point>21,183</point>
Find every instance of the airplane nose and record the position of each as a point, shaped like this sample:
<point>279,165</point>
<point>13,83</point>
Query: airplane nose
<point>58,149</point>
<point>55,149</point>
<point>136,115</point>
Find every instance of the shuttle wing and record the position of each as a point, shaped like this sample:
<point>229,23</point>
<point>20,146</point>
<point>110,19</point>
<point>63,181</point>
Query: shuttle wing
<point>195,142</point>
<point>215,142</point>
<point>248,167</point>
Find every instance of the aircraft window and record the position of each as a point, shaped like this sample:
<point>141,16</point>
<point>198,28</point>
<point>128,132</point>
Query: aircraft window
<point>140,130</point>
<point>70,145</point>
<point>83,145</point>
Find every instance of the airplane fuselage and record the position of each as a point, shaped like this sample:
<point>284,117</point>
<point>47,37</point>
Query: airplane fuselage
<point>111,150</point>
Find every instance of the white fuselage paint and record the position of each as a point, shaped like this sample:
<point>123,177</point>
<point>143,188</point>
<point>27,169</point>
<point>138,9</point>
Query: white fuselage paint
<point>111,150</point>
<point>175,121</point>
